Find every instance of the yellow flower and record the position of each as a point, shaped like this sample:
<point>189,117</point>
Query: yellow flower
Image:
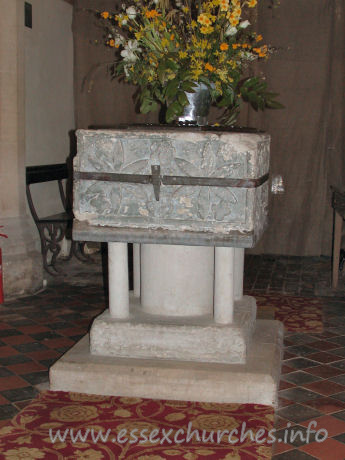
<point>151,14</point>
<point>237,11</point>
<point>105,14</point>
<point>206,29</point>
<point>233,20</point>
<point>252,3</point>
<point>224,46</point>
<point>209,67</point>
<point>224,5</point>
<point>183,54</point>
<point>204,20</point>
<point>185,9</point>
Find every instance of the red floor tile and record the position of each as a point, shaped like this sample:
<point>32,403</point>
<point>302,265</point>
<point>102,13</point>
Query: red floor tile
<point>33,329</point>
<point>3,401</point>
<point>323,345</point>
<point>71,331</point>
<point>327,450</point>
<point>9,383</point>
<point>4,326</point>
<point>26,368</point>
<point>285,385</point>
<point>57,343</point>
<point>333,425</point>
<point>325,387</point>
<point>42,355</point>
<point>323,357</point>
<point>326,405</point>
<point>7,351</point>
<point>284,402</point>
<point>324,371</point>
<point>281,447</point>
<point>287,369</point>
<point>18,339</point>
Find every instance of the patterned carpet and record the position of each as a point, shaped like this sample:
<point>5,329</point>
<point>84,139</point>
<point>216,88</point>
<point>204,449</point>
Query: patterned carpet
<point>298,314</point>
<point>27,437</point>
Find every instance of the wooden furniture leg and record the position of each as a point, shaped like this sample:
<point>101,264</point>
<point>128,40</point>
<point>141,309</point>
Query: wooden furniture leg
<point>338,225</point>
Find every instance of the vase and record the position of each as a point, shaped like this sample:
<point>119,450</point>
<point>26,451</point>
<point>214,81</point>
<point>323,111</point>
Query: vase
<point>196,112</point>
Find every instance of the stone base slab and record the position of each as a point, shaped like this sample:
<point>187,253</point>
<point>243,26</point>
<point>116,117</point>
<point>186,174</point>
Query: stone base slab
<point>254,382</point>
<point>148,336</point>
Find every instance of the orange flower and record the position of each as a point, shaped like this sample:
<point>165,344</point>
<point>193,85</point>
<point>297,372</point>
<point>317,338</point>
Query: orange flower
<point>105,14</point>
<point>235,46</point>
<point>252,3</point>
<point>224,46</point>
<point>209,67</point>
<point>224,5</point>
<point>151,14</point>
<point>112,43</point>
<point>258,38</point>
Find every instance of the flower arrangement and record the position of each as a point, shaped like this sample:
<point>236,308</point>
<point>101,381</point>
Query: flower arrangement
<point>166,49</point>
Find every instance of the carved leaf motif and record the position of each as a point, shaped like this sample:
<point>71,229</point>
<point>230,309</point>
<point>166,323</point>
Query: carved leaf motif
<point>109,158</point>
<point>209,159</point>
<point>183,201</point>
<point>135,167</point>
<point>223,203</point>
<point>97,199</point>
<point>135,200</point>
<point>186,167</point>
<point>116,198</point>
<point>204,202</point>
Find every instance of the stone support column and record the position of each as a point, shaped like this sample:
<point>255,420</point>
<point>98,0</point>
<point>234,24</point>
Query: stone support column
<point>136,269</point>
<point>238,274</point>
<point>118,280</point>
<point>22,265</point>
<point>224,285</point>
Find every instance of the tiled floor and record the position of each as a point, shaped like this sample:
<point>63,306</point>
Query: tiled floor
<point>36,330</point>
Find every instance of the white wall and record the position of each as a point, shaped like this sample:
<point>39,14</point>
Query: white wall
<point>49,105</point>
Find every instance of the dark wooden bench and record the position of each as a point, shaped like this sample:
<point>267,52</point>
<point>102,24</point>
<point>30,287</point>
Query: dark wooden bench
<point>52,229</point>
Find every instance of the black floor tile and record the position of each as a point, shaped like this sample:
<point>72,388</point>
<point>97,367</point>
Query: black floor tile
<point>20,394</point>
<point>298,413</point>
<point>7,411</point>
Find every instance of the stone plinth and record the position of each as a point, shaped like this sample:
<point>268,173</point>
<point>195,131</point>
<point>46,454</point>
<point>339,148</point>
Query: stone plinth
<point>197,339</point>
<point>256,381</point>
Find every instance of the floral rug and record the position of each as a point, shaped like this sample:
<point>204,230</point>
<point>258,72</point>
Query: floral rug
<point>298,314</point>
<point>178,429</point>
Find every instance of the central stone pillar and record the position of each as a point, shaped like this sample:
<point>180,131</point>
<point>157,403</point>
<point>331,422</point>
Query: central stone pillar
<point>177,280</point>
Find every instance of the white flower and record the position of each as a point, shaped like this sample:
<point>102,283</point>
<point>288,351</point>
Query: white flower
<point>244,24</point>
<point>131,12</point>
<point>119,40</point>
<point>131,48</point>
<point>230,31</point>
